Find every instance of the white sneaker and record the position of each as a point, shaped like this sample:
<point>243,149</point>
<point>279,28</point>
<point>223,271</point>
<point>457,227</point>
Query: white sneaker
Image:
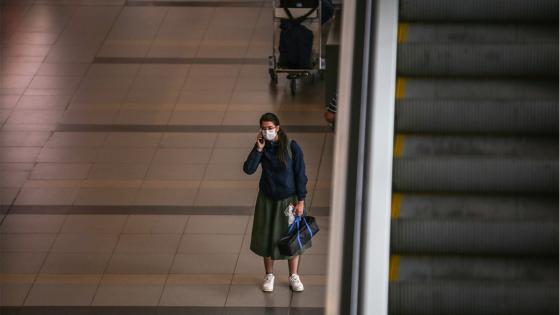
<point>268,283</point>
<point>295,283</point>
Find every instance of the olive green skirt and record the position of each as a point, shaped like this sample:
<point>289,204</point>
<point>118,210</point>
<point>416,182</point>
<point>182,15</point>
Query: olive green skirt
<point>270,224</point>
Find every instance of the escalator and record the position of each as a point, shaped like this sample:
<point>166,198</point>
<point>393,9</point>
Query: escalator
<point>474,218</point>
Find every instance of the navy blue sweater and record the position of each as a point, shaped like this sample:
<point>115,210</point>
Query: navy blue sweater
<point>278,181</point>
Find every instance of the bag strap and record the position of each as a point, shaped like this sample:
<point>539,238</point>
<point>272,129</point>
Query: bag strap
<point>298,237</point>
<point>301,18</point>
<point>308,228</point>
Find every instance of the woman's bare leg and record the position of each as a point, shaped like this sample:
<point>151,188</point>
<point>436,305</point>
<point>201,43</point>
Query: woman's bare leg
<point>268,264</point>
<point>293,265</point>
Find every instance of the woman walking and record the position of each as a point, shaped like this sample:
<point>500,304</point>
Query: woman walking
<point>283,183</point>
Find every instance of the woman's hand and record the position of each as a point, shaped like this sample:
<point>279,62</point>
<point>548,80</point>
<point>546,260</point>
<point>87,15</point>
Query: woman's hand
<point>260,142</point>
<point>298,210</point>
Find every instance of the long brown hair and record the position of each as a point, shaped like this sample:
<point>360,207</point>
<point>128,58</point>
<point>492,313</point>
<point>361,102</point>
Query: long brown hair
<point>282,137</point>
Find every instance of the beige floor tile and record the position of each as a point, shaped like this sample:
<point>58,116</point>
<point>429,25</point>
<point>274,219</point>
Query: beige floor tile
<point>86,97</point>
<point>67,155</point>
<point>216,224</point>
<point>227,196</point>
<point>211,118</point>
<point>253,264</point>
<point>202,100</point>
<point>20,68</point>
<point>88,243</point>
<point>124,49</point>
<point>118,171</point>
<point>237,140</point>
<point>209,83</point>
<point>113,70</point>
<point>142,117</point>
<point>252,84</point>
<point>60,171</point>
<point>252,295</point>
<point>21,263</point>
<point>191,106</point>
<point>210,244</point>
<point>321,197</point>
<point>159,82</point>
<point>107,82</point>
<point>320,243</point>
<point>156,224</point>
<point>205,279</point>
<point>13,294</point>
<point>188,140</point>
<point>75,263</point>
<point>62,291</point>
<point>32,223</point>
<point>133,139</point>
<point>7,196</point>
<point>204,264</point>
<point>105,196</point>
<point>77,139</point>
<point>224,172</point>
<point>44,102</point>
<point>13,179</point>
<point>125,155</point>
<point>198,71</point>
<point>195,295</point>
<point>313,296</point>
<point>230,156</point>
<point>148,243</point>
<point>245,246</point>
<point>193,172</point>
<point>171,184</point>
<point>114,293</point>
<point>162,95</point>
<point>94,224</point>
<point>313,264</point>
<point>9,101</point>
<point>164,70</point>
<point>19,155</point>
<point>175,49</point>
<point>166,196</point>
<point>47,196</point>
<point>15,82</point>
<point>244,118</point>
<point>30,127</point>
<point>140,263</point>
<point>182,156</point>
<point>33,243</point>
<point>55,82</point>
<point>105,115</point>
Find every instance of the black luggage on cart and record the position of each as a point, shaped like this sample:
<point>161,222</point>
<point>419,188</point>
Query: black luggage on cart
<point>296,43</point>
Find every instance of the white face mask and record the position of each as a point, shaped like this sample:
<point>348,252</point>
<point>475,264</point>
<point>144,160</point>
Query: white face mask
<point>269,134</point>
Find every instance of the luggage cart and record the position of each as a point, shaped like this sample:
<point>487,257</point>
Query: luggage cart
<point>311,20</point>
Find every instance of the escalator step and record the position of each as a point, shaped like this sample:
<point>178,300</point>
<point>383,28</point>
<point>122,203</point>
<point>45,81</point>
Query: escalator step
<point>478,10</point>
<point>439,268</point>
<point>474,175</point>
<point>473,298</point>
<point>478,33</point>
<point>476,207</point>
<point>431,59</point>
<point>474,237</point>
<point>412,145</point>
<point>481,117</point>
<point>478,89</point>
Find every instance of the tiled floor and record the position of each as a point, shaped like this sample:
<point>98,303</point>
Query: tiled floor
<point>150,216</point>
